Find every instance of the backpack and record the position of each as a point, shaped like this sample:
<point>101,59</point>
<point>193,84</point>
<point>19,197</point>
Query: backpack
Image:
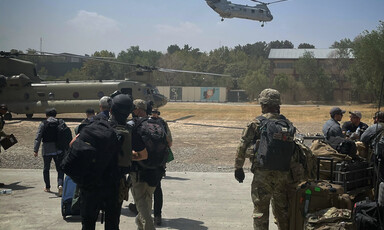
<point>124,136</point>
<point>342,145</point>
<point>64,136</point>
<point>49,133</point>
<point>304,156</point>
<point>153,134</point>
<point>91,154</point>
<point>276,145</point>
<point>366,215</point>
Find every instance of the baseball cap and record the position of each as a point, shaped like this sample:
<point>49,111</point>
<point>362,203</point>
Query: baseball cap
<point>336,110</point>
<point>356,113</point>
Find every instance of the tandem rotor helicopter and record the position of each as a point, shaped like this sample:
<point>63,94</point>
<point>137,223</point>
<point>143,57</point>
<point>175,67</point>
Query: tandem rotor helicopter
<point>25,93</point>
<point>227,9</point>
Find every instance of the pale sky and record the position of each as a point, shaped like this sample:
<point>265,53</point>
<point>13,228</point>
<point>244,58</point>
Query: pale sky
<point>85,26</point>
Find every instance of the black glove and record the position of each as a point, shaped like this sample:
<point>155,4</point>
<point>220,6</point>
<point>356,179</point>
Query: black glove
<point>239,175</point>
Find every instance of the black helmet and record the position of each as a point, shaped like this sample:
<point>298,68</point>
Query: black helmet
<point>122,104</point>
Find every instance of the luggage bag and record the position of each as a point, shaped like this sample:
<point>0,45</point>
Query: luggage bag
<point>312,196</point>
<point>367,215</point>
<point>353,175</point>
<point>8,141</point>
<point>66,200</point>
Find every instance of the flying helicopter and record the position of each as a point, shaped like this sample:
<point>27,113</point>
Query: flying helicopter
<point>227,9</point>
<point>25,93</point>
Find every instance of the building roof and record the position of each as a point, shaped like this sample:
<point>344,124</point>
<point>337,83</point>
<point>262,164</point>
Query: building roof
<point>297,53</point>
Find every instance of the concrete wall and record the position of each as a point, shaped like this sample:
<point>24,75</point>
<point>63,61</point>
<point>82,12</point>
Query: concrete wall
<point>199,94</point>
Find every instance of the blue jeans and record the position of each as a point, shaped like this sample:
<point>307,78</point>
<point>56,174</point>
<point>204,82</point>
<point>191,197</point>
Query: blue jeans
<point>47,166</point>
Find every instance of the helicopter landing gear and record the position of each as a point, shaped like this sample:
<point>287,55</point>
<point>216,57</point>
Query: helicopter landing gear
<point>29,115</point>
<point>222,19</point>
<point>8,116</point>
<point>262,24</point>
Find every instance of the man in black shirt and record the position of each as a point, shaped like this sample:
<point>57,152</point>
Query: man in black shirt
<point>354,128</point>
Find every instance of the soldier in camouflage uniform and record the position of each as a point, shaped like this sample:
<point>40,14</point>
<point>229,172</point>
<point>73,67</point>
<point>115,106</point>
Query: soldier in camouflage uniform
<point>266,184</point>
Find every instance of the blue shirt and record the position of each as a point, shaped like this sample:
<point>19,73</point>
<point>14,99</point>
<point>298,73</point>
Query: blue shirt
<point>332,128</point>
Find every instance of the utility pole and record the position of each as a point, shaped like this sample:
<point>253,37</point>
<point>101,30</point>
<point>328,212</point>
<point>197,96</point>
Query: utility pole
<point>41,45</point>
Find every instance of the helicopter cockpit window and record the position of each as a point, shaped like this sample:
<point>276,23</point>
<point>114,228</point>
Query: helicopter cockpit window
<point>155,91</point>
<point>126,91</point>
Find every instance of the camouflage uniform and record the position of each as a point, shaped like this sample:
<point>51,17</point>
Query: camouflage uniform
<point>266,184</point>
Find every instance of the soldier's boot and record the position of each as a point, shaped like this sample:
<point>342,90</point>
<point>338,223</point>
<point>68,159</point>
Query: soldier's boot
<point>260,223</point>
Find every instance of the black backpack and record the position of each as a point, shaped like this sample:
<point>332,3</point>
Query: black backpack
<point>64,136</point>
<point>366,215</point>
<point>342,145</point>
<point>276,145</point>
<point>49,133</point>
<point>91,155</point>
<point>154,136</point>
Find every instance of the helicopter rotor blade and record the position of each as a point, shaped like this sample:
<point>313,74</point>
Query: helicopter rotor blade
<point>259,2</point>
<point>103,59</point>
<point>267,3</point>
<point>191,72</point>
<point>276,1</point>
<point>113,61</point>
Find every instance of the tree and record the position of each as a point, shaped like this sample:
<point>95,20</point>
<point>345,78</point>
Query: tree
<point>313,77</point>
<point>255,81</point>
<point>98,69</point>
<point>305,46</point>
<point>281,82</point>
<point>342,44</point>
<point>339,61</point>
<point>173,48</point>
<point>367,72</point>
<point>258,49</point>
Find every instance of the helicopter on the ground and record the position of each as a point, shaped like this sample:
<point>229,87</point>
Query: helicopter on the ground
<point>227,9</point>
<point>24,92</point>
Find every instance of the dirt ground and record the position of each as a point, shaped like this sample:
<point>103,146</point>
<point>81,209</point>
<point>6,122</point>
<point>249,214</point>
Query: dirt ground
<point>205,134</point>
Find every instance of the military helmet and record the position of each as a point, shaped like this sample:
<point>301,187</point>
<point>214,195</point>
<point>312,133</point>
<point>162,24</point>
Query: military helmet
<point>122,104</point>
<point>270,97</point>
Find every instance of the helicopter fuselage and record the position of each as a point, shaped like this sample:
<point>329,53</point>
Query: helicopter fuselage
<point>227,9</point>
<point>73,97</point>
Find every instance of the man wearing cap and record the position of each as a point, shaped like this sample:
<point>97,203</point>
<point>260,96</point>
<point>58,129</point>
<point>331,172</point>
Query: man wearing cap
<point>332,127</point>
<point>354,128</point>
<point>47,133</point>
<point>267,185</point>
